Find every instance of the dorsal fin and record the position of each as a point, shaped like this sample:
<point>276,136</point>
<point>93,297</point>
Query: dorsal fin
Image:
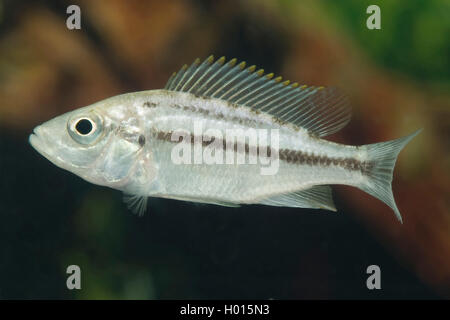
<point>321,111</point>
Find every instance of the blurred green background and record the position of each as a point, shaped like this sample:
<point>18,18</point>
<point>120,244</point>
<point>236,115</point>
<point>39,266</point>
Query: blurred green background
<point>398,80</point>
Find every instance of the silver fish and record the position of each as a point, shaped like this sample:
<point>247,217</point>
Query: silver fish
<point>140,143</point>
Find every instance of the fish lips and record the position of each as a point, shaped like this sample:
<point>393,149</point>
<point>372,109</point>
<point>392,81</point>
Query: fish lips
<point>39,141</point>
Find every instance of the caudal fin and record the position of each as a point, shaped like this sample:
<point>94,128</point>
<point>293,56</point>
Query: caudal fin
<point>382,157</point>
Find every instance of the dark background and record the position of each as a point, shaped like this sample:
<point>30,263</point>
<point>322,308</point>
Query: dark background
<point>397,79</point>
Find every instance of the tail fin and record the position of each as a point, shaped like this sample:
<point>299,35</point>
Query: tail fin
<point>383,156</point>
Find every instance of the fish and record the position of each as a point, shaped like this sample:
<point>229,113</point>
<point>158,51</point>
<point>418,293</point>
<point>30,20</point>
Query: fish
<point>220,133</point>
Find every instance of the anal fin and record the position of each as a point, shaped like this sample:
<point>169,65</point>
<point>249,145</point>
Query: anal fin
<point>207,201</point>
<point>317,197</point>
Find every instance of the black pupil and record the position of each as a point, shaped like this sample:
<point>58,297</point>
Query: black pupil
<point>84,126</point>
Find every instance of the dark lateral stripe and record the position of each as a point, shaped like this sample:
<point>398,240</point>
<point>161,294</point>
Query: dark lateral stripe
<point>290,156</point>
<point>237,146</point>
<point>299,157</point>
<point>212,114</point>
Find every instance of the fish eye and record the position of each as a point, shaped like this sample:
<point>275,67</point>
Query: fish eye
<point>84,126</point>
<point>85,129</point>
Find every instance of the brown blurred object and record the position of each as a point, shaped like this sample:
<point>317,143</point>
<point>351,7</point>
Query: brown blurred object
<point>50,70</point>
<point>47,70</point>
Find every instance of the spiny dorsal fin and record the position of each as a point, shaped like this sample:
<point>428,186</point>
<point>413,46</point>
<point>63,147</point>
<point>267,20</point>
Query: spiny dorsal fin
<point>317,197</point>
<point>321,111</point>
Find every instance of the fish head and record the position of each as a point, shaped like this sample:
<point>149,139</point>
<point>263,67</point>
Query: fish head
<point>92,142</point>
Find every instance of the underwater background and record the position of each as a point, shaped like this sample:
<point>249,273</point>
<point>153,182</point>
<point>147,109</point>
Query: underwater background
<point>397,78</point>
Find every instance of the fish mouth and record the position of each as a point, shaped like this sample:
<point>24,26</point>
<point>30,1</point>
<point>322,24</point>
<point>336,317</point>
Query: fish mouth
<point>38,142</point>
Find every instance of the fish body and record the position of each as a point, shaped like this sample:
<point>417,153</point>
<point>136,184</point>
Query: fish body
<point>222,134</point>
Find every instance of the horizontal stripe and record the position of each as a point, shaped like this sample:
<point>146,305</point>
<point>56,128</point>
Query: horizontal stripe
<point>220,116</point>
<point>290,156</point>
